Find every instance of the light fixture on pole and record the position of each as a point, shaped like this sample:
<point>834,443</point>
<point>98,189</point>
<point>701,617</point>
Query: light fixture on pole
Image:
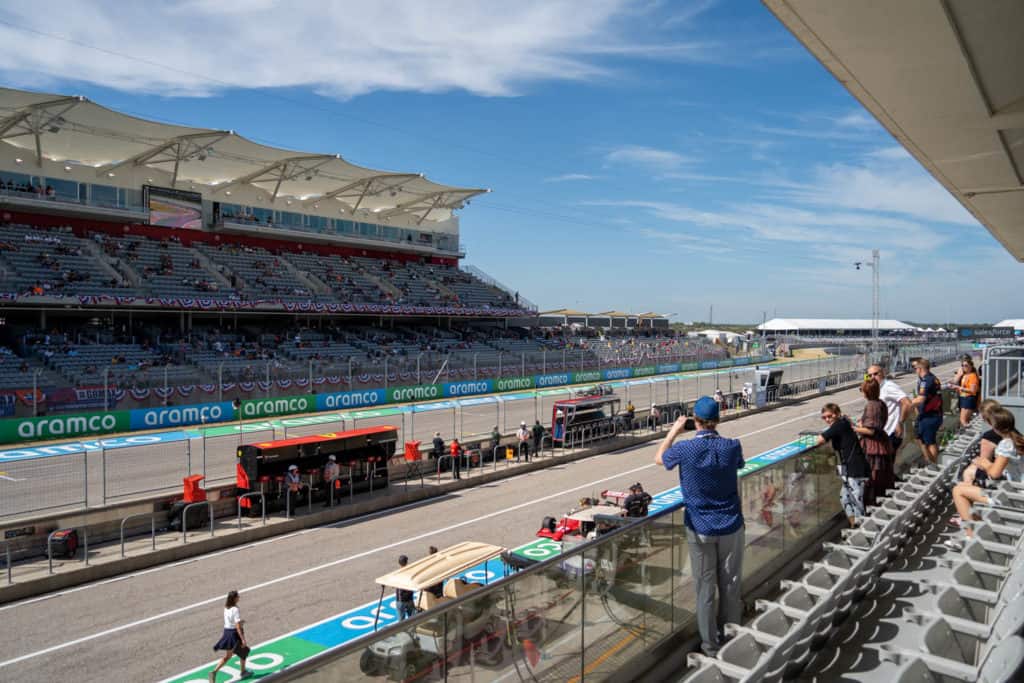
<point>875,265</point>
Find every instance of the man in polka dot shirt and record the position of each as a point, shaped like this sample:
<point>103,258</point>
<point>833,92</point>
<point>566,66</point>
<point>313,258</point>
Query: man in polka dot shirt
<point>708,466</point>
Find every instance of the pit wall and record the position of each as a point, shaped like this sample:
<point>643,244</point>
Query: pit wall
<point>27,429</point>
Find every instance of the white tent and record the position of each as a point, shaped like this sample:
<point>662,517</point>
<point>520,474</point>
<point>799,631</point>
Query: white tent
<point>832,324</point>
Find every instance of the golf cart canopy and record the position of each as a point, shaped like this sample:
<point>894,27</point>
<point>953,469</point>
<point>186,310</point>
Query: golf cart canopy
<point>444,564</point>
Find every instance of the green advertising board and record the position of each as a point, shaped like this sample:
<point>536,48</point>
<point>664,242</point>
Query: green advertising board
<point>63,426</point>
<point>514,383</point>
<point>420,392</point>
<point>284,405</point>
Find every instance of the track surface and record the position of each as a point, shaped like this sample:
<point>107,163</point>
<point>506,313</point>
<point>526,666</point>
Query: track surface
<point>162,621</point>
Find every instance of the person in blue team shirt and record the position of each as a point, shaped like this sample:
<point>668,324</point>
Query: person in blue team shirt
<point>708,478</point>
<point>929,409</point>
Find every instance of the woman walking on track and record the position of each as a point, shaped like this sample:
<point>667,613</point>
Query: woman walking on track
<point>875,442</point>
<point>232,641</point>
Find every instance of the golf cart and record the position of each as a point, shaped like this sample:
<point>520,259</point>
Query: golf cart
<point>474,628</point>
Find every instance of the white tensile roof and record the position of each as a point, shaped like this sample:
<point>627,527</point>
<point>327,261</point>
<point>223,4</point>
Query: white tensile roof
<point>1015,323</point>
<point>785,324</point>
<point>74,129</point>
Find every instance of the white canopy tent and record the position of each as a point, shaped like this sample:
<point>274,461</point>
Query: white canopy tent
<point>798,325</point>
<point>75,130</point>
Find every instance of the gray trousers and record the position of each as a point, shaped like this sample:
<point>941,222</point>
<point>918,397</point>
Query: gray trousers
<point>717,566</point>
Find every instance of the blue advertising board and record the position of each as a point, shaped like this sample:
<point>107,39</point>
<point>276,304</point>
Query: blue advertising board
<point>181,416</point>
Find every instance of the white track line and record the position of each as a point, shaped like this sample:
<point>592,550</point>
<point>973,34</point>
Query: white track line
<point>344,560</point>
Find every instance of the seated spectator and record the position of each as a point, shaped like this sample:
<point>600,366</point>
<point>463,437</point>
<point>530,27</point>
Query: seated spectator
<point>1005,466</point>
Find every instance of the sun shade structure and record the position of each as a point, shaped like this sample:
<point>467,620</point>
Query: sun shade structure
<point>443,564</point>
<point>75,130</point>
<point>944,77</point>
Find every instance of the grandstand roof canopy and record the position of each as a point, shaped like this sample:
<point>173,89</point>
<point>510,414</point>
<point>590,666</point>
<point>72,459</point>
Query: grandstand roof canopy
<point>1015,323</point>
<point>73,129</point>
<point>797,324</point>
<point>945,79</point>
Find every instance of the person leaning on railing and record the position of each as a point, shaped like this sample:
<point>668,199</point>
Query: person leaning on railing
<point>708,473</point>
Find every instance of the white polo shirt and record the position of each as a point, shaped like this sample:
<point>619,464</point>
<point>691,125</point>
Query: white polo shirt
<point>891,394</point>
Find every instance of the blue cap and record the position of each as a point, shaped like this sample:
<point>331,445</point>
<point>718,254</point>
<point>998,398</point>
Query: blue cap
<point>706,408</point>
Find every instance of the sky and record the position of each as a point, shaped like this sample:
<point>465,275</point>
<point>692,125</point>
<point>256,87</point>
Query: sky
<point>643,155</point>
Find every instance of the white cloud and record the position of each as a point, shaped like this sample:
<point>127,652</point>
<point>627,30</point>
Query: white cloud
<point>858,118</point>
<point>566,177</point>
<point>341,49</point>
<point>638,155</point>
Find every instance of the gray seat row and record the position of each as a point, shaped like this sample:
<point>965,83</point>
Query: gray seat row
<point>964,623</point>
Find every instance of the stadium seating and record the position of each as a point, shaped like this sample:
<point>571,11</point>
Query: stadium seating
<point>891,602</point>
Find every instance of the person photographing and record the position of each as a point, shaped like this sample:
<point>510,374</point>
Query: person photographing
<point>708,475</point>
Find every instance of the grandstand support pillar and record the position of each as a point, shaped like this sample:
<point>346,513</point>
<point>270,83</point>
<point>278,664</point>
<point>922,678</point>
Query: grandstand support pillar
<point>385,373</point>
<point>474,366</point>
<point>500,354</point>
<point>543,362</point>
<point>267,375</point>
<point>166,395</point>
<point>418,357</point>
<point>310,375</point>
<point>350,373</point>
<point>106,388</point>
<point>522,364</point>
<point>581,360</point>
<point>220,382</point>
<point>564,367</point>
<point>35,391</point>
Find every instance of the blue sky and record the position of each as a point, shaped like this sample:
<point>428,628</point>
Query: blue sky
<point>662,156</point>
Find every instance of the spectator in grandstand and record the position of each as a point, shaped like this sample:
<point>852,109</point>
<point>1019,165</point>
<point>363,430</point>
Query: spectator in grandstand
<point>968,387</point>
<point>875,442</point>
<point>404,599</point>
<point>708,466</point>
<point>929,409</point>
<point>853,466</point>
<point>897,404</point>
<point>1005,466</point>
<point>232,640</point>
<point>538,436</point>
<point>523,441</point>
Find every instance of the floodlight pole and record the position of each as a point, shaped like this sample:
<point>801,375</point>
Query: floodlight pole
<point>876,306</point>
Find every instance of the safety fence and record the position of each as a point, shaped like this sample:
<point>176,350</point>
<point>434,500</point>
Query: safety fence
<point>103,475</point>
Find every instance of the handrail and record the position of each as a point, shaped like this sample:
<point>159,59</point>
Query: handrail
<point>263,506</point>
<point>184,518</point>
<point>152,527</point>
<point>288,499</point>
<point>333,480</point>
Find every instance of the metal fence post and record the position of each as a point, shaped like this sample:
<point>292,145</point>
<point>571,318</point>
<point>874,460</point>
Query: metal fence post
<point>263,505</point>
<point>85,479</point>
<point>188,457</point>
<point>103,473</point>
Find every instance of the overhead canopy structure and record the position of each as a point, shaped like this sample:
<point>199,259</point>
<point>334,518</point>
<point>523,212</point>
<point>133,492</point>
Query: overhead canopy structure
<point>844,324</point>
<point>944,77</point>
<point>76,130</point>
<point>444,564</point>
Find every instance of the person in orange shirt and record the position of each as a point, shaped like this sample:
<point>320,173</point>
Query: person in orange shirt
<point>969,388</point>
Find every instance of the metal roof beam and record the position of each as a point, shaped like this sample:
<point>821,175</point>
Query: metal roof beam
<point>38,118</point>
<point>181,148</point>
<point>280,165</point>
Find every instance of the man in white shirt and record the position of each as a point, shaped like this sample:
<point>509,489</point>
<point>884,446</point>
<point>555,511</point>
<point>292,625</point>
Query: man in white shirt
<point>897,402</point>
<point>523,436</point>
